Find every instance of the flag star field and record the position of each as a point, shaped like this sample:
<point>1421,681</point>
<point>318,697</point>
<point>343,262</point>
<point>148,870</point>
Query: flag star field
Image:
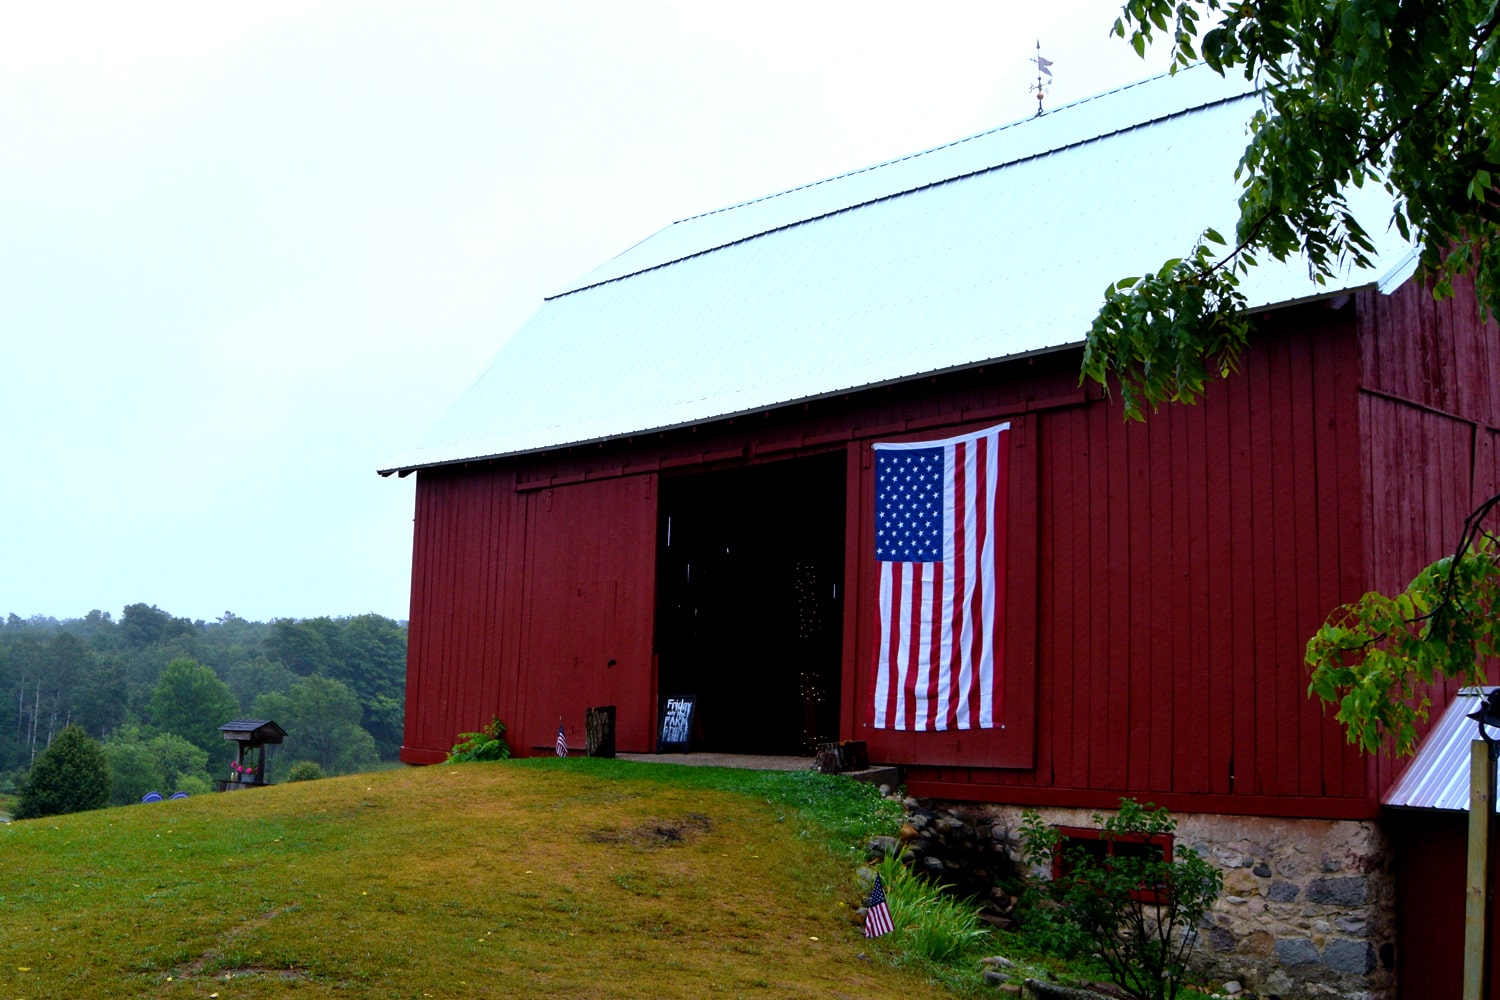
<point>909,517</point>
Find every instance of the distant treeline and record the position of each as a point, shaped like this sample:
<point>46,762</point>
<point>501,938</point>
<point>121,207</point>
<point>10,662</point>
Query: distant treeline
<point>154,688</point>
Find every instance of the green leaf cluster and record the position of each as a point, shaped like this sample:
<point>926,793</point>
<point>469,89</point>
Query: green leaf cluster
<point>141,762</point>
<point>304,770</point>
<point>487,744</point>
<point>1355,92</point>
<point>1374,657</point>
<point>1140,911</point>
<point>190,701</point>
<point>321,717</point>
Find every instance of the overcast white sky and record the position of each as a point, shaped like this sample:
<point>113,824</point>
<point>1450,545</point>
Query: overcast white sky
<point>250,252</point>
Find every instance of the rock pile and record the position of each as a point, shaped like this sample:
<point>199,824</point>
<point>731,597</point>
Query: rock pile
<point>958,850</point>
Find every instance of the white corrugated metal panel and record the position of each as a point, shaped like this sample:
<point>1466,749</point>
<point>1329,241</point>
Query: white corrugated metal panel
<point>1069,125</point>
<point>1438,776</point>
<point>989,265</point>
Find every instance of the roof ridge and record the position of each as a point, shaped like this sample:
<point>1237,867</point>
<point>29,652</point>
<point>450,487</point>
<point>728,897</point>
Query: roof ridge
<point>948,145</point>
<point>801,220</point>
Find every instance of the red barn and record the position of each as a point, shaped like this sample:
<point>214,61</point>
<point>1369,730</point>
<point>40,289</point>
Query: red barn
<point>666,483</point>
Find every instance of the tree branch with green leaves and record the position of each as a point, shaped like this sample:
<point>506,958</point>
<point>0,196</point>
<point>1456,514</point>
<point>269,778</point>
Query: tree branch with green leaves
<point>1354,92</point>
<point>1375,657</point>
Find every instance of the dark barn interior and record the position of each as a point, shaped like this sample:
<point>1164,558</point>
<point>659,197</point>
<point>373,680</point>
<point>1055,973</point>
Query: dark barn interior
<point>750,567</point>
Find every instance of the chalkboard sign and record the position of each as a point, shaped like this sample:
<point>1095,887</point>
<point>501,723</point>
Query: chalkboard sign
<point>676,723</point>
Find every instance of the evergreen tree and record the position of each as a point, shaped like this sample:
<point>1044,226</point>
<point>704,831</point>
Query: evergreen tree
<point>71,775</point>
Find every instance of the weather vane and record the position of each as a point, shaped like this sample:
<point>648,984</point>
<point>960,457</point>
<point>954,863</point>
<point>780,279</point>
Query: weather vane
<point>1043,68</point>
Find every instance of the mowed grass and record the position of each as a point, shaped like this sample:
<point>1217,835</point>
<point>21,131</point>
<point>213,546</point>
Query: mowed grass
<point>572,878</point>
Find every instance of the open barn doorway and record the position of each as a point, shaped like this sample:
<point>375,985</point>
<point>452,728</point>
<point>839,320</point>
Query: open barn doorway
<point>750,573</point>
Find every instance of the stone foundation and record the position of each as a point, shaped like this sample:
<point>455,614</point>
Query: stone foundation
<point>1308,908</point>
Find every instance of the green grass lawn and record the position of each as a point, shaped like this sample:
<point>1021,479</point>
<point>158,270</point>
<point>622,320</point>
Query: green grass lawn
<point>546,878</point>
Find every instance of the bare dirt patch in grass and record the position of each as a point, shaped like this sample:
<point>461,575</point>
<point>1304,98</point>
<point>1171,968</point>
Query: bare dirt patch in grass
<point>657,832</point>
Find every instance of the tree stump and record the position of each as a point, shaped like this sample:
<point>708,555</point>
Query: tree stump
<point>599,729</point>
<point>846,755</point>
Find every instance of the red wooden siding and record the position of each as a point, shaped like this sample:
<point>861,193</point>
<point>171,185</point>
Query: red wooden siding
<point>1429,409</point>
<point>1437,355</point>
<point>519,601</point>
<point>461,649</point>
<point>1431,850</point>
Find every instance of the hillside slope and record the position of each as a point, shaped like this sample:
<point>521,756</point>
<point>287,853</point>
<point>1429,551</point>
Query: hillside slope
<point>525,879</point>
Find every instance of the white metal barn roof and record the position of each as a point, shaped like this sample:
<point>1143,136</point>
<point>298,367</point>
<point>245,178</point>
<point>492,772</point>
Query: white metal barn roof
<point>992,247</point>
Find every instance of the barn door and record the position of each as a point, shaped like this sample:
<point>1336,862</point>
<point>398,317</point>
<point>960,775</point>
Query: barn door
<point>587,610</point>
<point>749,602</point>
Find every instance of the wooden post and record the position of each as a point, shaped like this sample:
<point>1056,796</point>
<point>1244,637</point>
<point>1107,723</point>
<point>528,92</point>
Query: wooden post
<point>1476,896</point>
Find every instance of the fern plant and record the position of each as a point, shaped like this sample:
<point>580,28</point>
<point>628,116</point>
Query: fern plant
<point>487,744</point>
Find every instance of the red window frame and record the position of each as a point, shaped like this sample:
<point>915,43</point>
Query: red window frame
<point>1110,842</point>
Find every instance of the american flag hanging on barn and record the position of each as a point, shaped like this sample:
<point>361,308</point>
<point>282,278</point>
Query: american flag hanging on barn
<point>940,546</point>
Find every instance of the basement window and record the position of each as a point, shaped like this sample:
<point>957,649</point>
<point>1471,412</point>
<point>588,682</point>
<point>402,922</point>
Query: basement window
<point>1101,846</point>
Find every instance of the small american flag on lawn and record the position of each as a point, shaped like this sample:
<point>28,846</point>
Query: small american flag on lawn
<point>562,742</point>
<point>877,913</point>
<point>940,545</point>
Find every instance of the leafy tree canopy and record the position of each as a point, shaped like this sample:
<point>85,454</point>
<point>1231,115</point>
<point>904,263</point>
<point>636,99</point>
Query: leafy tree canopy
<point>321,717</point>
<point>1403,95</point>
<point>142,762</point>
<point>133,770</point>
<point>142,624</point>
<point>103,672</point>
<point>190,701</point>
<point>249,679</point>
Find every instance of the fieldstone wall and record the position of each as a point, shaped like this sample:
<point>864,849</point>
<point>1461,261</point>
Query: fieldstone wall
<point>1308,909</point>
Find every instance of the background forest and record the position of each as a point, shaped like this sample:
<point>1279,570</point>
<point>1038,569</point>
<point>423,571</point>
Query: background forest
<point>154,689</point>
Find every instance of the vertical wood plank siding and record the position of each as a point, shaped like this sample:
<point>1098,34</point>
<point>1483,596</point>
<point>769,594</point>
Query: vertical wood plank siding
<point>519,600</point>
<point>1429,410</point>
<point>1180,564</point>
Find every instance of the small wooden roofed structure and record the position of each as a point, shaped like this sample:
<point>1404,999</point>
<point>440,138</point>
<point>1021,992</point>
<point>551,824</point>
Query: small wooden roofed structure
<point>251,737</point>
<point>1427,820</point>
<point>253,732</point>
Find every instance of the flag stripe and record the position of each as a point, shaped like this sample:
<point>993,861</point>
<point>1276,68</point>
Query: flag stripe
<point>985,665</point>
<point>882,653</point>
<point>980,606</point>
<point>962,561</point>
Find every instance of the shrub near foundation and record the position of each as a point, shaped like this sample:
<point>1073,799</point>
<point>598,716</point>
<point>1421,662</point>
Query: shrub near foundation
<point>1139,911</point>
<point>487,744</point>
